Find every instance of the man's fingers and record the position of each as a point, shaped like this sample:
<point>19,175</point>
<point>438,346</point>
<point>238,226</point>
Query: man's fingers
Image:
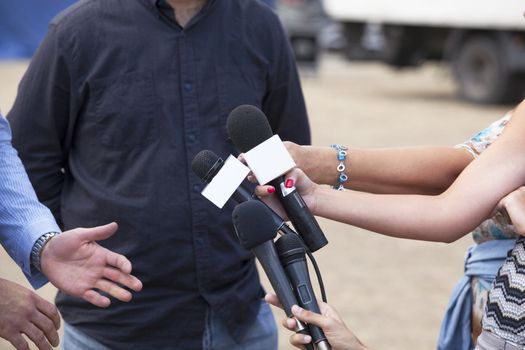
<point>49,310</point>
<point>272,299</point>
<point>36,336</point>
<point>113,289</point>
<point>119,261</point>
<point>99,232</point>
<point>289,323</point>
<point>18,341</point>
<point>308,316</point>
<point>96,299</point>
<point>127,280</point>
<point>47,326</point>
<point>299,340</point>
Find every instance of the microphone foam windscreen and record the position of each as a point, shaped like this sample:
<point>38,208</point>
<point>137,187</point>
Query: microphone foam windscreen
<point>254,223</point>
<point>247,127</point>
<point>289,242</point>
<point>203,162</point>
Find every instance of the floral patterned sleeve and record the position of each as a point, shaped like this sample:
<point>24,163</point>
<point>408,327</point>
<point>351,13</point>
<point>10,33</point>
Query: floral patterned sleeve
<point>484,138</point>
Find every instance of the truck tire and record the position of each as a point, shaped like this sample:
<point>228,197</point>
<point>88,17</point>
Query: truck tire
<point>481,72</point>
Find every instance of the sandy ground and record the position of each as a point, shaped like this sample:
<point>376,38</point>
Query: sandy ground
<point>391,292</point>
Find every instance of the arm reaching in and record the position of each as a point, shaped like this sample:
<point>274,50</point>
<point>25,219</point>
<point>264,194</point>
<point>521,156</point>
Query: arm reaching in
<point>74,263</point>
<point>334,328</point>
<point>24,312</point>
<point>446,217</point>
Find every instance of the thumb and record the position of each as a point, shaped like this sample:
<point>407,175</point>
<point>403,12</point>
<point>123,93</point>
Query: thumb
<point>99,232</point>
<point>308,316</point>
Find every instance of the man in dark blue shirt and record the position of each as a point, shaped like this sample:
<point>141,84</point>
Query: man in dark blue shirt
<point>118,99</point>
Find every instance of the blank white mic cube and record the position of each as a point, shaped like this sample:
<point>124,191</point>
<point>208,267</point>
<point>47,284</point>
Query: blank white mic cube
<point>269,160</point>
<point>227,180</point>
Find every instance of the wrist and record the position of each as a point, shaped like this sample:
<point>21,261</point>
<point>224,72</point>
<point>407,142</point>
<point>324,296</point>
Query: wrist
<point>38,249</point>
<point>342,177</point>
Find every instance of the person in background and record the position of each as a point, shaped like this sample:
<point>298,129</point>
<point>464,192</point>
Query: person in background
<point>445,217</point>
<point>425,170</point>
<point>71,260</point>
<point>338,333</point>
<point>116,102</point>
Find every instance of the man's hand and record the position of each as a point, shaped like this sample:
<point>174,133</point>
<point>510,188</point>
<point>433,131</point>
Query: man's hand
<point>337,333</point>
<point>74,263</point>
<point>23,311</point>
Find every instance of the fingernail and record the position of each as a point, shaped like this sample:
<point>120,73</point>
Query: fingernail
<point>289,183</point>
<point>271,189</point>
<point>307,339</point>
<point>290,323</point>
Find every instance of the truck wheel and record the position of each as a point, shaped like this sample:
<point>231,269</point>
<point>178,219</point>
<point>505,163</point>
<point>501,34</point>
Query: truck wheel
<point>480,71</point>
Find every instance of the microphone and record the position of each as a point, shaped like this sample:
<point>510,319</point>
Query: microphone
<point>248,127</point>
<point>207,164</point>
<point>256,230</point>
<point>292,255</point>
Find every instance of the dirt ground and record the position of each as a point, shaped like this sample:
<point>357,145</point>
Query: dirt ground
<point>391,292</point>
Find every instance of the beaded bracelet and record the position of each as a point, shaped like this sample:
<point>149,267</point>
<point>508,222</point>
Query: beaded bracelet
<point>341,156</point>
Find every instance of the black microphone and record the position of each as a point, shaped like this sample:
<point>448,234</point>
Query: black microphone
<point>248,127</point>
<point>256,230</point>
<point>207,164</point>
<point>292,255</point>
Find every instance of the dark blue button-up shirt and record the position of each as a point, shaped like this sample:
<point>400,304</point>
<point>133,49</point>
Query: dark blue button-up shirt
<point>112,109</point>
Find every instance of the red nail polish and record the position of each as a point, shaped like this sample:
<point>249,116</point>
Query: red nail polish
<point>289,183</point>
<point>271,189</point>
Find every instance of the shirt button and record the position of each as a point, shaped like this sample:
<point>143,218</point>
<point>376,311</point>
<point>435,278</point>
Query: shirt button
<point>188,87</point>
<point>196,188</point>
<point>191,137</point>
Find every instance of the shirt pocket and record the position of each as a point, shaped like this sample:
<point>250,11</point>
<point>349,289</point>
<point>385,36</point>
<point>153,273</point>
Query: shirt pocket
<point>124,110</point>
<point>238,85</point>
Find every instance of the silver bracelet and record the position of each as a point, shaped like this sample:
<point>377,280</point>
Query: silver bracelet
<point>342,152</point>
<point>36,251</point>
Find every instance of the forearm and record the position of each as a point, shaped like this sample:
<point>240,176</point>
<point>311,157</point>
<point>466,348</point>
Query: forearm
<point>22,218</point>
<point>403,216</point>
<point>423,170</point>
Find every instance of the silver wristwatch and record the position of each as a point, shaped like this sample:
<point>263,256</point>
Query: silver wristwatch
<point>36,251</point>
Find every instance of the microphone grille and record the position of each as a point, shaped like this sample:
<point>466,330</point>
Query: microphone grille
<point>254,223</point>
<point>247,127</point>
<point>289,242</point>
<point>203,162</point>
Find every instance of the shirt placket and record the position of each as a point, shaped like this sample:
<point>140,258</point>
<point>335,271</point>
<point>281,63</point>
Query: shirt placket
<point>188,82</point>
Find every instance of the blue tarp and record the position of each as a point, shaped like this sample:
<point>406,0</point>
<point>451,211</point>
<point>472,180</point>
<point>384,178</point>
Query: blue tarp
<point>23,24</point>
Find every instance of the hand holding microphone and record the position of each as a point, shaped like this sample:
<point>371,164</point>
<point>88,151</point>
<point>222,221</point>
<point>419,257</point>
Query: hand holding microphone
<point>248,127</point>
<point>256,229</point>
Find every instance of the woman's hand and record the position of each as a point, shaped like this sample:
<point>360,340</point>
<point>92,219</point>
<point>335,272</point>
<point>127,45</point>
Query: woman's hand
<point>296,177</point>
<point>334,328</point>
<point>514,205</point>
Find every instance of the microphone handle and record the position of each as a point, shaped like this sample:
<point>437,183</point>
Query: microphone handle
<point>241,195</point>
<point>297,273</point>
<point>300,216</point>
<point>267,256</point>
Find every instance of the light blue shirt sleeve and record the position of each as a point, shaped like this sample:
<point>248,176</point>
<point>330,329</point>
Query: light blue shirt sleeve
<point>23,219</point>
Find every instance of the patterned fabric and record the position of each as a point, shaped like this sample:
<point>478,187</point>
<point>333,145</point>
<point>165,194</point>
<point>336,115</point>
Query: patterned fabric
<point>484,138</point>
<point>505,311</point>
<point>22,218</point>
<point>496,228</point>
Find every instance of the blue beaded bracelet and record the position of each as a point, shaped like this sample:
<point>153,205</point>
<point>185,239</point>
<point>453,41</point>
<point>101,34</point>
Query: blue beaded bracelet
<point>341,156</point>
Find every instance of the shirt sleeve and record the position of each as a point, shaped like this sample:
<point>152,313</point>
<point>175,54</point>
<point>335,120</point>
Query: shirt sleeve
<point>484,138</point>
<point>23,219</point>
<point>284,102</point>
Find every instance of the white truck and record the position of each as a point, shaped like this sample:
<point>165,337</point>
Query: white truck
<point>483,40</point>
